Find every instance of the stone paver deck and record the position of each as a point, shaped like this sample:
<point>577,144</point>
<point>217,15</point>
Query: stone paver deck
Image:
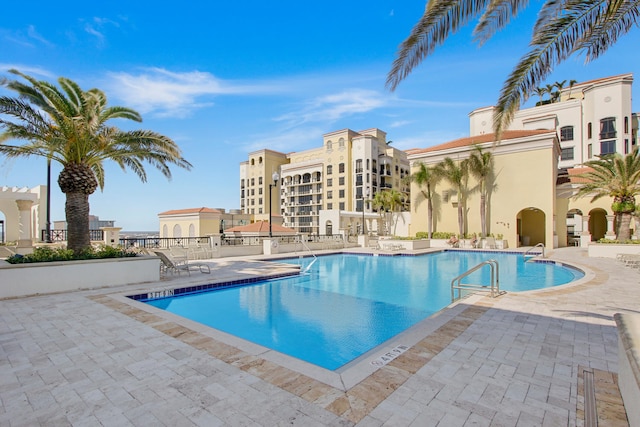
<point>93,358</point>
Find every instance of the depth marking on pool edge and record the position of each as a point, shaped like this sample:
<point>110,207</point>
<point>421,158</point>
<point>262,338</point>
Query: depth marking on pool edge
<point>389,356</point>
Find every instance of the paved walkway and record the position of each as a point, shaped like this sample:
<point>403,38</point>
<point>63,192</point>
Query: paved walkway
<point>88,358</point>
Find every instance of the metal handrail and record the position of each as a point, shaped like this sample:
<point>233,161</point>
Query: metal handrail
<point>494,288</point>
<point>315,258</point>
<point>530,249</point>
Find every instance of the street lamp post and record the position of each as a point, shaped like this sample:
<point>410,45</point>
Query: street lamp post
<point>275,177</point>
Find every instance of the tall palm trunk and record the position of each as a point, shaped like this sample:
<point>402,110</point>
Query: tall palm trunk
<point>460,218</point>
<point>429,217</point>
<point>624,230</point>
<point>483,215</point>
<point>77,181</point>
<point>76,210</point>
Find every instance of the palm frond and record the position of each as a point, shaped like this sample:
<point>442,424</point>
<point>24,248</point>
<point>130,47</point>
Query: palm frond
<point>440,19</point>
<point>497,15</point>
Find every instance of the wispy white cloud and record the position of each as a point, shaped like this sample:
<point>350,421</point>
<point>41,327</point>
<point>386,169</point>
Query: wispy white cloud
<point>28,38</point>
<point>166,93</point>
<point>298,139</point>
<point>330,108</point>
<point>33,34</point>
<point>88,28</point>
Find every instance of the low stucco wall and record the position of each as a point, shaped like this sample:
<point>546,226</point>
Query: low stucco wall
<point>17,280</point>
<point>610,250</point>
<point>629,364</point>
<point>410,245</point>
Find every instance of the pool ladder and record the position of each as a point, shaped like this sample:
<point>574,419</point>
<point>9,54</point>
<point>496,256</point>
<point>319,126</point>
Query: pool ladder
<point>315,258</point>
<point>539,245</point>
<point>494,287</point>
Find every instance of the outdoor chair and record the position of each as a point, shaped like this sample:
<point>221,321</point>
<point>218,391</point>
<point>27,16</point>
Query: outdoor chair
<point>490,242</point>
<point>177,265</point>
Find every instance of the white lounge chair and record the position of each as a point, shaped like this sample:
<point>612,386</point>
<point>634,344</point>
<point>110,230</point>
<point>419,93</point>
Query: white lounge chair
<point>490,242</point>
<point>177,265</point>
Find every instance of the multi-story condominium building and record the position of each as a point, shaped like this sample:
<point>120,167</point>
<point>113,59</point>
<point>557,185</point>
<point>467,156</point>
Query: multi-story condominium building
<point>592,118</point>
<point>343,174</point>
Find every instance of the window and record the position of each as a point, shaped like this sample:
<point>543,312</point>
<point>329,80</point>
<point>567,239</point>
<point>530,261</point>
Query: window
<point>330,182</point>
<point>341,180</point>
<point>626,146</point>
<point>626,124</point>
<point>590,151</point>
<point>329,194</point>
<point>341,168</point>
<point>329,169</point>
<point>253,181</point>
<point>329,145</point>
<point>589,131</point>
<point>341,206</point>
<point>341,194</point>
<point>566,133</point>
<point>329,206</point>
<point>567,153</point>
<point>260,200</point>
<point>341,143</point>
<point>259,180</point>
<point>359,166</point>
<point>259,190</point>
<point>608,128</point>
<point>253,191</point>
<point>607,147</point>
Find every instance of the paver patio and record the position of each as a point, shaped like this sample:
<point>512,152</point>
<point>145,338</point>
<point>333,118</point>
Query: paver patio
<point>87,358</point>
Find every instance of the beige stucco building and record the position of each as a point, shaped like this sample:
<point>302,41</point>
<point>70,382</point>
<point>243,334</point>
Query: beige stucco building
<point>343,174</point>
<point>24,211</point>
<point>530,199</point>
<point>200,222</point>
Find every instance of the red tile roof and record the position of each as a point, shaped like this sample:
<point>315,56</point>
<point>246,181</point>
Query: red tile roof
<point>189,211</point>
<point>478,139</point>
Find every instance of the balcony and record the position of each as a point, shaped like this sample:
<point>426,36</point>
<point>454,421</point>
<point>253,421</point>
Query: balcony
<point>608,135</point>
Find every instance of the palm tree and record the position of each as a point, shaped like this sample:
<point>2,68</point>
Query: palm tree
<point>571,84</point>
<point>427,177</point>
<point>456,173</point>
<point>540,91</point>
<point>618,177</point>
<point>69,125</point>
<point>481,167</point>
<point>561,29</point>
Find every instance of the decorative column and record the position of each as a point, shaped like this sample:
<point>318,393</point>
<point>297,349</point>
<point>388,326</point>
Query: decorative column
<point>111,235</point>
<point>610,234</point>
<point>25,243</point>
<point>585,235</point>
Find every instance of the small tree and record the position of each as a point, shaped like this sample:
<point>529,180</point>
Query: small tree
<point>456,173</point>
<point>427,178</point>
<point>618,177</point>
<point>481,166</point>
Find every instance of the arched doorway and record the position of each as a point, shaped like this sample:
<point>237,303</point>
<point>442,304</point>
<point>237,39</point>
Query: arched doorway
<point>329,228</point>
<point>531,227</point>
<point>574,226</point>
<point>597,224</point>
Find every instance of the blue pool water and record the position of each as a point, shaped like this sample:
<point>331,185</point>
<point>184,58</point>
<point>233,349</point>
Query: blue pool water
<point>349,304</point>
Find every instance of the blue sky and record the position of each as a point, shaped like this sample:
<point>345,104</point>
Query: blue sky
<point>225,78</point>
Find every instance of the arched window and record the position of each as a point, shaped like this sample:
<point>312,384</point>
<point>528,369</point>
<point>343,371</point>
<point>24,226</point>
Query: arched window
<point>329,145</point>
<point>165,231</point>
<point>566,133</point>
<point>341,143</point>
<point>177,231</point>
<point>192,230</point>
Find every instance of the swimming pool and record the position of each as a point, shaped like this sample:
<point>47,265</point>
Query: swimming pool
<point>350,304</point>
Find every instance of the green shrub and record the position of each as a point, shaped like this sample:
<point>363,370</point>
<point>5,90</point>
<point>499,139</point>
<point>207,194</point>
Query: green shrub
<point>442,235</point>
<point>618,242</point>
<point>47,254</point>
